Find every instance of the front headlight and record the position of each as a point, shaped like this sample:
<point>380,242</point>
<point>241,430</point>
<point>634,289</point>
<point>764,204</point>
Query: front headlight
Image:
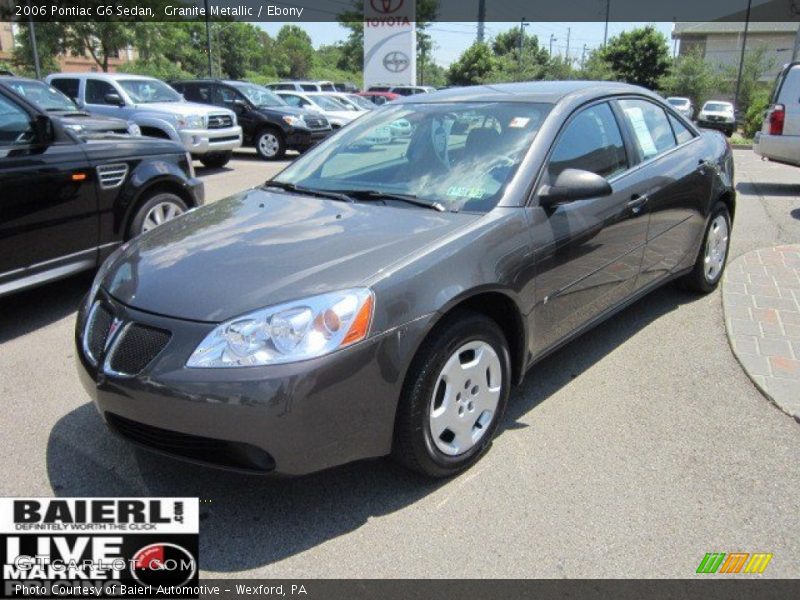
<point>293,121</point>
<point>134,129</point>
<point>191,122</point>
<point>288,332</point>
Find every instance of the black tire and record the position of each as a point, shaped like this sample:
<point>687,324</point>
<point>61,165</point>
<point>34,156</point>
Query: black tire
<point>270,144</point>
<point>413,445</point>
<point>151,201</point>
<point>216,160</point>
<point>698,280</point>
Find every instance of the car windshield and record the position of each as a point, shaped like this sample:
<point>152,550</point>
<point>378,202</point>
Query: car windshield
<point>259,96</point>
<point>326,103</point>
<point>46,97</point>
<point>146,91</point>
<point>718,107</point>
<point>360,101</point>
<point>459,155</point>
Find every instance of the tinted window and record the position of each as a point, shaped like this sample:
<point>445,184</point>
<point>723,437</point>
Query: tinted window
<point>196,92</point>
<point>43,95</point>
<point>682,133</point>
<point>227,96</point>
<point>96,91</point>
<point>293,100</point>
<point>67,86</point>
<point>309,87</point>
<point>649,127</point>
<point>592,142</point>
<point>15,125</point>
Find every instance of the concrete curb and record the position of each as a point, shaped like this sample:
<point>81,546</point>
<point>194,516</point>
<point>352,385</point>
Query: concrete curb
<point>742,146</point>
<point>761,307</point>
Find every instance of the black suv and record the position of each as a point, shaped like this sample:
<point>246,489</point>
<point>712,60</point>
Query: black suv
<point>68,200</point>
<point>268,123</point>
<point>57,104</point>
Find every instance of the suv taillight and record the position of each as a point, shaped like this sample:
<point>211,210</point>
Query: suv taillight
<point>776,118</point>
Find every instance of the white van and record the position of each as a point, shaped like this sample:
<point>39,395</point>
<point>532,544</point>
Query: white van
<point>779,138</point>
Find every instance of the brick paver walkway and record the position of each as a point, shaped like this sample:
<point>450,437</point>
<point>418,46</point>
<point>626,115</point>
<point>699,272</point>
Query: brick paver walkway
<point>761,299</point>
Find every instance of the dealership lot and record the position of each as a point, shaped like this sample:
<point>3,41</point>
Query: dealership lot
<point>631,452</point>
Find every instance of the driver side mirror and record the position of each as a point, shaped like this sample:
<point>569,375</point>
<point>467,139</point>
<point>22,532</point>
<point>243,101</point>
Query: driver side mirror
<point>43,131</point>
<point>239,105</point>
<point>571,185</point>
<point>113,98</point>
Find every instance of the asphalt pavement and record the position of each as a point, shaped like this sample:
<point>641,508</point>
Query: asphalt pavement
<point>632,452</point>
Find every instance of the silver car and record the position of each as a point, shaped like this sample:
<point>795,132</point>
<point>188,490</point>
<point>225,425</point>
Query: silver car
<point>682,105</point>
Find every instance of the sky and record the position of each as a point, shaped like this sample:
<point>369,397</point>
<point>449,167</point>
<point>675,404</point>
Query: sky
<point>451,39</point>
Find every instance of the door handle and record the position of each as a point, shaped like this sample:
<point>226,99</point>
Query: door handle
<point>637,203</point>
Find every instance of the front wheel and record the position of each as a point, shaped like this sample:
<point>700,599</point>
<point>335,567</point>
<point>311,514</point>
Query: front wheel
<point>454,396</point>
<point>270,144</point>
<point>713,255</point>
<point>216,160</point>
<point>155,211</point>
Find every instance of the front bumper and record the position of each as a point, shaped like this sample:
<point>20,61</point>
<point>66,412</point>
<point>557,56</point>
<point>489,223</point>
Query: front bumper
<point>290,419</point>
<point>718,125</point>
<point>305,138</point>
<point>204,141</point>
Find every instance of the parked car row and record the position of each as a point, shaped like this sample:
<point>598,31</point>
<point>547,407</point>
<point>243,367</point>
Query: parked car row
<point>715,114</point>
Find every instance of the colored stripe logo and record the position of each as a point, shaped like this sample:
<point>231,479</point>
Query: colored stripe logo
<point>734,562</point>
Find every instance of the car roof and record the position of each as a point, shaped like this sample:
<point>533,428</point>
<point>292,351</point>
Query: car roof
<point>528,91</point>
<point>112,76</point>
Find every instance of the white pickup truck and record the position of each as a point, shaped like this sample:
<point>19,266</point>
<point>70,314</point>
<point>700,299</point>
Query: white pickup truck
<point>209,134</point>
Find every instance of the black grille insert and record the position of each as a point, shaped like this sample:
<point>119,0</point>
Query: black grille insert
<point>233,455</point>
<point>136,348</point>
<point>219,121</point>
<point>316,122</point>
<point>97,331</point>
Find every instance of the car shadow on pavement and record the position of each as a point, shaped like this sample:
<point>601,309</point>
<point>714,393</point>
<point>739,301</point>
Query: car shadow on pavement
<point>795,213</point>
<point>759,188</point>
<point>251,521</point>
<point>28,311</point>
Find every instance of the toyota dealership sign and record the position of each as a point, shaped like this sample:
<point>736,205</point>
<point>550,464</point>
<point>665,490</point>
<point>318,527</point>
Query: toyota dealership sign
<point>390,43</point>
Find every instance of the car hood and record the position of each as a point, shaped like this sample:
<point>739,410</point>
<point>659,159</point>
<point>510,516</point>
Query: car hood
<point>91,122</point>
<point>183,108</point>
<point>261,248</point>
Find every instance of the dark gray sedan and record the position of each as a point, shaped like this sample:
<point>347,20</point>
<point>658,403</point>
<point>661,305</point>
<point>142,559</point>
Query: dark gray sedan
<point>383,295</point>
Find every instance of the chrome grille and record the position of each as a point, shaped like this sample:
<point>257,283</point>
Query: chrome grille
<point>220,121</point>
<point>111,176</point>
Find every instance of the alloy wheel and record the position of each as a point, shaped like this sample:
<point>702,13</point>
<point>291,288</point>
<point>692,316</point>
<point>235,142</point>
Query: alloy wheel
<point>465,398</point>
<point>268,145</point>
<point>160,213</point>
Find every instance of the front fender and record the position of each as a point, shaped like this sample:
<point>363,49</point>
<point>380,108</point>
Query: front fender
<point>145,120</point>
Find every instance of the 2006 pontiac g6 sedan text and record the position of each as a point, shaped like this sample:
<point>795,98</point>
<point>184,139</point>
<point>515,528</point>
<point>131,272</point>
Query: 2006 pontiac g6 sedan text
<point>382,296</point>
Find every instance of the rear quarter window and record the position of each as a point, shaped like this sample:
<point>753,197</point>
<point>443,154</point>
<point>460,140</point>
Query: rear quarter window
<point>68,86</point>
<point>787,87</point>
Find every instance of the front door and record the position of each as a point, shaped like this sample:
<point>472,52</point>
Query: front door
<point>588,252</point>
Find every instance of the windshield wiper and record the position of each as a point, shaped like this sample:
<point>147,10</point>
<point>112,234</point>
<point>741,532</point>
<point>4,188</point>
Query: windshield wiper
<point>290,187</point>
<point>408,198</point>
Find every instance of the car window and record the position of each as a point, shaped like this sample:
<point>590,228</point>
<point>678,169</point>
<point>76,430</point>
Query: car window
<point>68,86</point>
<point>460,155</point>
<point>259,96</point>
<point>15,124</point>
<point>682,132</point>
<point>293,100</point>
<point>196,92</point>
<point>307,87</point>
<point>592,142</point>
<point>43,95</point>
<point>226,96</point>
<point>649,126</point>
<point>147,91</point>
<point>326,103</point>
<point>96,91</point>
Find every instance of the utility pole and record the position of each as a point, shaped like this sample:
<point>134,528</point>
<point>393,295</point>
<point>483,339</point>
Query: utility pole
<point>34,47</point>
<point>608,14</point>
<point>569,30</point>
<point>481,20</point>
<point>741,57</point>
<point>208,42</point>
<point>522,26</point>
<point>553,38</point>
<point>583,57</point>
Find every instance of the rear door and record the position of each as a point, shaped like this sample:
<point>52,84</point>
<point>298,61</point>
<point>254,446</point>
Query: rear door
<point>673,179</point>
<point>588,252</point>
<point>48,205</point>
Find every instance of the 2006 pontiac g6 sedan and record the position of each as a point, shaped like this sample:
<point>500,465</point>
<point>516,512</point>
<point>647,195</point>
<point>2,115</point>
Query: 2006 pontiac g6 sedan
<point>382,296</point>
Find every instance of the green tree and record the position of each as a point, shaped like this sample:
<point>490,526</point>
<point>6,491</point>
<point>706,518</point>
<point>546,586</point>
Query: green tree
<point>49,41</point>
<point>754,117</point>
<point>694,78</point>
<point>639,56</point>
<point>756,63</point>
<point>296,53</point>
<point>596,67</point>
<point>475,65</point>
<point>100,40</point>
<point>242,47</point>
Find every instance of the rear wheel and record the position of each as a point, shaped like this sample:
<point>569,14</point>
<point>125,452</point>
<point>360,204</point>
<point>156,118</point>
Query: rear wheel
<point>156,210</point>
<point>713,255</point>
<point>270,144</point>
<point>455,394</point>
<point>216,160</point>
